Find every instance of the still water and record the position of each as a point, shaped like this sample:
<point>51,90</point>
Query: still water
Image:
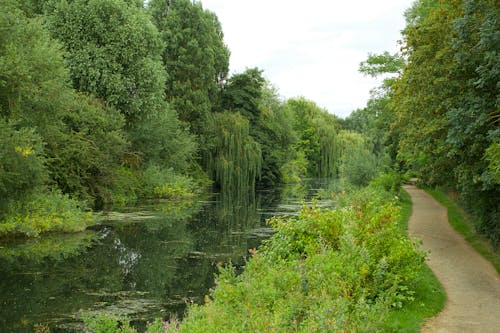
<point>143,262</point>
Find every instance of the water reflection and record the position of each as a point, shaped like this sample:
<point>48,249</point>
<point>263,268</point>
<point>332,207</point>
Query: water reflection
<point>144,262</point>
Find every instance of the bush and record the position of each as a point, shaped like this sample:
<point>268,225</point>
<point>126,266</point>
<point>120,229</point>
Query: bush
<point>390,182</point>
<point>358,167</point>
<point>45,212</point>
<point>22,165</point>
<point>126,186</point>
<point>102,323</point>
<point>322,271</point>
<point>161,183</point>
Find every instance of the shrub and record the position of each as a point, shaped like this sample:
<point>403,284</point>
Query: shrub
<point>389,182</point>
<point>103,323</point>
<point>358,167</point>
<point>161,183</point>
<point>322,271</point>
<point>45,212</point>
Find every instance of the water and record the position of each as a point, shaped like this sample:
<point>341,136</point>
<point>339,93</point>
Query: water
<point>142,262</point>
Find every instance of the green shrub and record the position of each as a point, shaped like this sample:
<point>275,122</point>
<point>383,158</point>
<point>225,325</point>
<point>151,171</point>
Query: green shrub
<point>322,271</point>
<point>103,323</point>
<point>161,183</point>
<point>126,186</point>
<point>358,167</point>
<point>22,164</point>
<point>45,212</point>
<point>390,182</point>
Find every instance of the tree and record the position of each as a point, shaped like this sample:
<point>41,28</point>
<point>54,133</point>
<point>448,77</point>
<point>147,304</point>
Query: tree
<point>250,94</point>
<point>317,132</point>
<point>234,160</point>
<point>446,101</point>
<point>424,91</point>
<point>113,51</point>
<point>472,126</point>
<point>22,164</point>
<point>243,93</point>
<point>75,139</point>
<point>195,57</point>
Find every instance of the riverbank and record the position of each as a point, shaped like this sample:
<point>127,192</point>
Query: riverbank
<point>324,270</point>
<point>352,268</point>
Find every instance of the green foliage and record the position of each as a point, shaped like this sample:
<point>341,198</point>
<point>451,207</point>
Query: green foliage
<point>234,159</point>
<point>317,132</point>
<point>323,270</point>
<point>166,184</point>
<point>83,140</point>
<point>195,57</point>
<point>22,164</point>
<point>102,323</point>
<point>270,123</point>
<point>86,153</point>
<point>32,86</point>
<point>358,164</point>
<point>390,182</point>
<point>384,63</point>
<point>243,93</point>
<point>126,187</point>
<point>446,101</point>
<point>113,52</point>
<point>493,156</point>
<point>161,140</point>
<point>45,212</point>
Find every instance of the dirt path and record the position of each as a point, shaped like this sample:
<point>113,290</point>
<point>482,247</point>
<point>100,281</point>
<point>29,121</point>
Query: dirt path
<point>471,283</point>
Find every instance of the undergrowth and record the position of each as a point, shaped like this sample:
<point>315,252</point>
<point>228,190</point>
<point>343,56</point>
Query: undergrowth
<point>343,270</point>
<point>44,212</point>
<point>351,269</point>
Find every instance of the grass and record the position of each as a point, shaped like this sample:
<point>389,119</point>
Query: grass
<point>463,223</point>
<point>429,293</point>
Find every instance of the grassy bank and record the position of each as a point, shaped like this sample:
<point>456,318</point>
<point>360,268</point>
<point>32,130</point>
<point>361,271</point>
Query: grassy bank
<point>463,223</point>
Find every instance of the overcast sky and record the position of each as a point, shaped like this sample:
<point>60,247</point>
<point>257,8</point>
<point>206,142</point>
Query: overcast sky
<point>311,48</point>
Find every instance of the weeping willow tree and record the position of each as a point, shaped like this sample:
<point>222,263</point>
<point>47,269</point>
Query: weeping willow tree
<point>317,132</point>
<point>329,150</point>
<point>234,159</point>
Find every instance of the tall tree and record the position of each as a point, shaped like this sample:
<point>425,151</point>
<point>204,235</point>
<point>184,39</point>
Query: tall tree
<point>195,57</point>
<point>317,137</point>
<point>235,159</point>
<point>113,52</point>
<point>424,91</point>
<point>75,138</point>
<point>446,101</point>
<point>473,127</point>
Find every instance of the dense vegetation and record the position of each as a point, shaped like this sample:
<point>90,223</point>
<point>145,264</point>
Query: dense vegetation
<point>105,102</point>
<point>342,270</point>
<point>323,271</point>
<point>114,100</point>
<point>438,111</point>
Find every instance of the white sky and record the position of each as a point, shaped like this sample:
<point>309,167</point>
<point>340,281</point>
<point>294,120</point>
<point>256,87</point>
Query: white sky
<point>311,48</point>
